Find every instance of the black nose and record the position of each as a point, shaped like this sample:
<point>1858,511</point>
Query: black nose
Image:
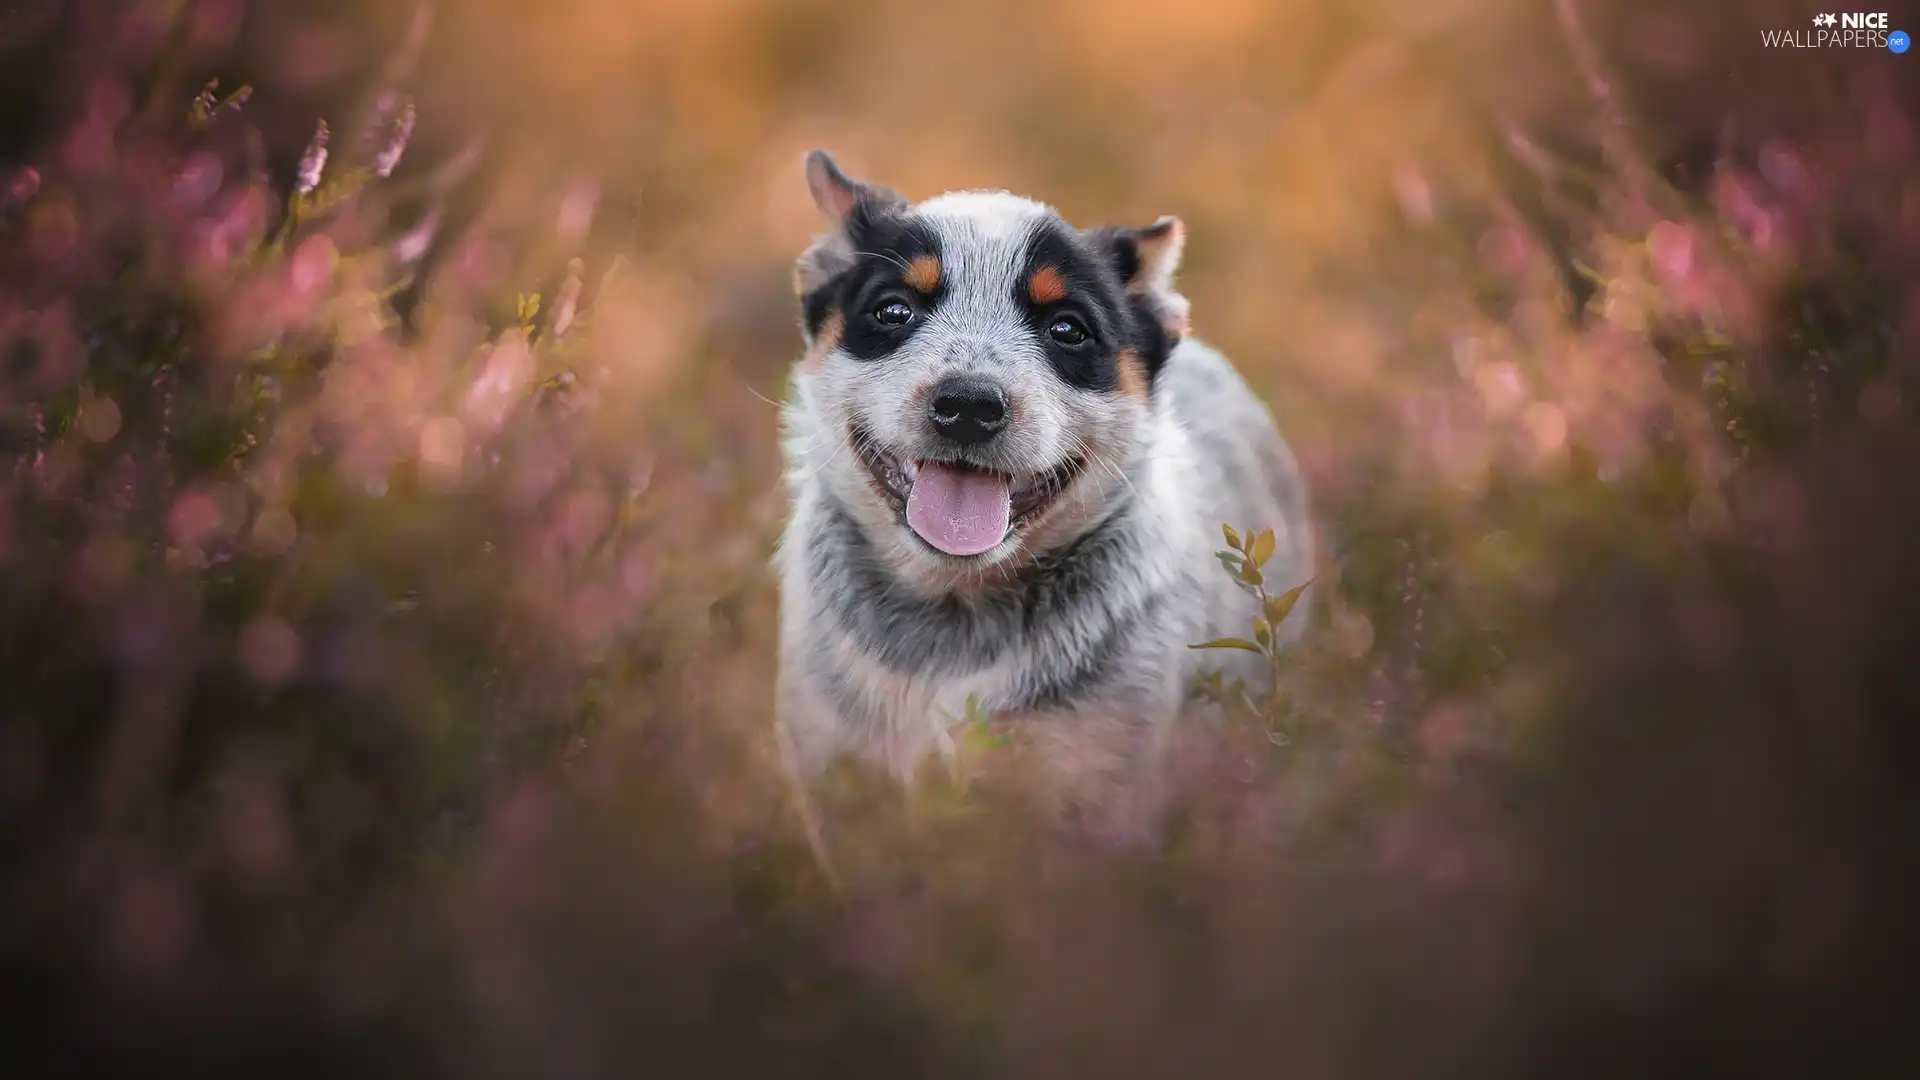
<point>968,409</point>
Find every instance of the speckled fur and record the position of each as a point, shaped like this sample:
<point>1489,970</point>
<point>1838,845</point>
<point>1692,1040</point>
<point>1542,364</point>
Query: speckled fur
<point>1076,630</point>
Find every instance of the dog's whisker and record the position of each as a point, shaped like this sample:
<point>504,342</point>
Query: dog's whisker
<point>817,469</point>
<point>888,256</point>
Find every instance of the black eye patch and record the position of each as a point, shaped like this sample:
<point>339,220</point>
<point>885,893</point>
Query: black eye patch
<point>896,266</point>
<point>1064,285</point>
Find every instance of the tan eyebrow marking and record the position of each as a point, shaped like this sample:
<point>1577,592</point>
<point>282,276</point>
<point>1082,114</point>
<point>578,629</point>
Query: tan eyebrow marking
<point>923,273</point>
<point>1133,374</point>
<point>1046,286</point>
<point>824,342</point>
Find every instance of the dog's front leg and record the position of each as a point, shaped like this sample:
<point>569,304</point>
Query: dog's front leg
<point>804,740</point>
<point>1101,768</point>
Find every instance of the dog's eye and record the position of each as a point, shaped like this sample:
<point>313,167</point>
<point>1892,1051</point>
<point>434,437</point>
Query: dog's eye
<point>1067,330</point>
<point>892,313</point>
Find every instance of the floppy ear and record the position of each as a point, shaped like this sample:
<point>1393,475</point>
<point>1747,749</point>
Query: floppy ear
<point>850,207</point>
<point>1146,259</point>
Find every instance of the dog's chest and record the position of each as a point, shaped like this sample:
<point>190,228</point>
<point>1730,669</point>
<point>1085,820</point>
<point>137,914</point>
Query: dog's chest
<point>898,717</point>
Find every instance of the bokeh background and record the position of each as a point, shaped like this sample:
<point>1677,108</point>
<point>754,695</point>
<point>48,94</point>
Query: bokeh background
<point>385,619</point>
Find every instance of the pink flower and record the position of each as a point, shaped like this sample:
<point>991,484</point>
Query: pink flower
<point>389,156</point>
<point>1670,246</point>
<point>23,185</point>
<point>314,162</point>
<point>577,210</point>
<point>198,180</point>
<point>410,247</point>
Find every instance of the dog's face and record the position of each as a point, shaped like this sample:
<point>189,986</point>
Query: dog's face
<point>981,373</point>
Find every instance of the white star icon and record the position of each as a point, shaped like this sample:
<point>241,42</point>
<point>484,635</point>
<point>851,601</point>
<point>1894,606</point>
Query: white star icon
<point>1824,20</point>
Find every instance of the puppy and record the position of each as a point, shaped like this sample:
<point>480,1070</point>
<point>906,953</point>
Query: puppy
<point>1009,465</point>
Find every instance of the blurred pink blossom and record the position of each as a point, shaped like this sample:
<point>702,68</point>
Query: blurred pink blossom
<point>313,163</point>
<point>1444,731</point>
<point>1507,249</point>
<point>312,268</point>
<point>1427,854</point>
<point>198,180</point>
<point>269,649</point>
<point>1740,204</point>
<point>1784,169</point>
<point>213,24</point>
<point>23,185</point>
<point>583,518</point>
<point>1670,247</point>
<point>90,148</point>
<point>414,243</point>
<point>194,520</point>
<point>576,213</point>
<point>389,156</point>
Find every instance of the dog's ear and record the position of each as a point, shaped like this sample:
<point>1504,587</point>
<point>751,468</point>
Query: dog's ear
<point>850,207</point>
<point>1146,258</point>
<point>834,192</point>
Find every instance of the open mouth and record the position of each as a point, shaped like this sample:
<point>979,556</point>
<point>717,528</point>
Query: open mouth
<point>957,508</point>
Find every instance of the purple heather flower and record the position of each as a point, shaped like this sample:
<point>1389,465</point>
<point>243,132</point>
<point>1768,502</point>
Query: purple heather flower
<point>389,156</point>
<point>23,185</point>
<point>314,162</point>
<point>414,244</point>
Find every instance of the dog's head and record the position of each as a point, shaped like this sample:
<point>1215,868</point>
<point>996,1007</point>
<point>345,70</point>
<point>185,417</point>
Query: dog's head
<point>980,373</point>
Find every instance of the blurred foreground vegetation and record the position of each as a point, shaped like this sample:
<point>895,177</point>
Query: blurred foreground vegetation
<point>386,627</point>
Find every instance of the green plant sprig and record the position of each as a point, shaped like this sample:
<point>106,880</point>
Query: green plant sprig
<point>1244,559</point>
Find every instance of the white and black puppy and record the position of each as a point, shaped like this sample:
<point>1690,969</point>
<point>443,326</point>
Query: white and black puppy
<point>1009,466</point>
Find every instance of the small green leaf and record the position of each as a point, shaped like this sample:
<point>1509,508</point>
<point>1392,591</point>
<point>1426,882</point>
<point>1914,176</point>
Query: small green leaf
<point>1262,632</point>
<point>1276,609</point>
<point>1262,547</point>
<point>1233,538</point>
<point>972,736</point>
<point>1251,575</point>
<point>1230,643</point>
<point>1279,607</point>
<point>1232,560</point>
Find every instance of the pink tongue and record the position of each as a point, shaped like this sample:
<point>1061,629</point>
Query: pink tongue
<point>959,511</point>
